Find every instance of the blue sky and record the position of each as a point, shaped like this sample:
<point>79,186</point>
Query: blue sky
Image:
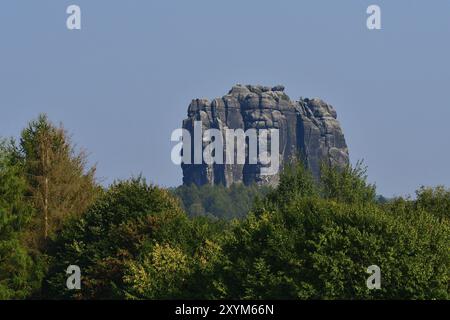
<point>123,83</point>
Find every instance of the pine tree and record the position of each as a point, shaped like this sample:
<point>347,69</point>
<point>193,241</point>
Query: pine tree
<point>59,185</point>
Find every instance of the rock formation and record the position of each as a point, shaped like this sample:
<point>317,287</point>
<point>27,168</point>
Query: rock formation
<point>307,128</point>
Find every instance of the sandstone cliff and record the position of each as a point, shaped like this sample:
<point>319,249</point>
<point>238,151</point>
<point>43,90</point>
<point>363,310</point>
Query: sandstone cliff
<point>307,128</point>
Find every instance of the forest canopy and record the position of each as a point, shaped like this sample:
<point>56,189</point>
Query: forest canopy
<point>304,239</point>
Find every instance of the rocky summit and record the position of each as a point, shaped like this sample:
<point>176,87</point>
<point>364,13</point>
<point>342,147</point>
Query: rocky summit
<point>308,129</point>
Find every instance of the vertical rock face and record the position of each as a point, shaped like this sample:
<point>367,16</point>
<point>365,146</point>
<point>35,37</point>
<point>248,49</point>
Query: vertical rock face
<point>307,128</point>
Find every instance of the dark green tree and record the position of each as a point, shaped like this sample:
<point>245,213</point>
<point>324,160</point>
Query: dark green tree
<point>20,272</point>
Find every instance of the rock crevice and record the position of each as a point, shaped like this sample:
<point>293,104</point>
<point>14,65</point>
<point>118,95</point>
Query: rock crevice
<point>307,128</point>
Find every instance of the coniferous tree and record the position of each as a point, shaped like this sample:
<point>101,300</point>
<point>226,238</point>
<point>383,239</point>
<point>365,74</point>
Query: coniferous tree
<point>19,272</point>
<point>59,185</point>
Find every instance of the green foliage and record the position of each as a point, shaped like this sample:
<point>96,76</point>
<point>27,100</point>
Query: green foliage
<point>179,270</point>
<point>134,242</point>
<point>317,249</point>
<point>435,201</point>
<point>169,272</point>
<point>306,247</point>
<point>58,183</point>
<point>219,201</point>
<point>306,239</point>
<point>128,218</point>
<point>19,273</point>
<point>15,212</point>
<point>295,181</point>
<point>348,184</point>
<point>160,273</point>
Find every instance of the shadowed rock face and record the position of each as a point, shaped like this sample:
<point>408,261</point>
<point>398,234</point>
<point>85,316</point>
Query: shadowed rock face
<point>307,128</point>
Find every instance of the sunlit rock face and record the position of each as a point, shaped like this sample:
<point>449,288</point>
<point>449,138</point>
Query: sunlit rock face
<point>308,129</point>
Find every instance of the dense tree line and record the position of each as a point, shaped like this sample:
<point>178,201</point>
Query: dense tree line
<point>305,239</point>
<point>219,201</point>
<point>43,182</point>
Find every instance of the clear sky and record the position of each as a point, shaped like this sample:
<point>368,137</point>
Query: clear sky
<point>123,83</point>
